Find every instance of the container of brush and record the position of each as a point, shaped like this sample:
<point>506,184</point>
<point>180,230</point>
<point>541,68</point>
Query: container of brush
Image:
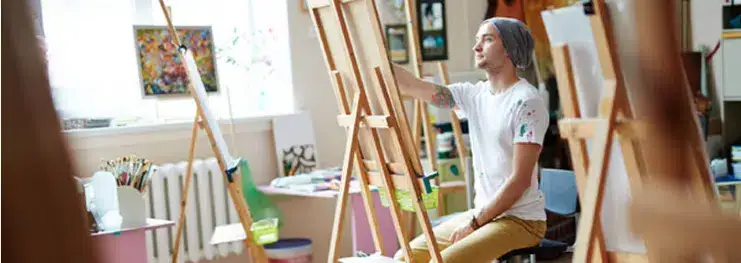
<point>132,177</point>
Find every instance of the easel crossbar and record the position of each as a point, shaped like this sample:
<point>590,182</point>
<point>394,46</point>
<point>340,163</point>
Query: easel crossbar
<point>375,121</point>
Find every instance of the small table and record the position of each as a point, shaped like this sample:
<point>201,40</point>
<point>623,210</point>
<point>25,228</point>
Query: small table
<point>126,244</point>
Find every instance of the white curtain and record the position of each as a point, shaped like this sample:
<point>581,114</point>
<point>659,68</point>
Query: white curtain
<point>93,65</point>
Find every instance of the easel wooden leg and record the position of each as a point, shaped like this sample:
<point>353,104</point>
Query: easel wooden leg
<point>340,92</point>
<point>415,189</point>
<point>370,210</point>
<point>351,145</point>
<point>257,253</point>
<point>421,213</point>
<point>186,186</point>
<point>578,147</point>
<point>396,212</point>
<point>391,195</point>
<point>593,194</point>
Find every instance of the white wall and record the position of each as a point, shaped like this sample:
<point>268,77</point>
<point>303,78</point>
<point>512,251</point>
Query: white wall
<point>254,140</point>
<point>312,89</point>
<point>706,24</point>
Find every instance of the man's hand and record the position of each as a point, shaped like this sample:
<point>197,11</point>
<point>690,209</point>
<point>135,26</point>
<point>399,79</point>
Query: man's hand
<point>460,233</point>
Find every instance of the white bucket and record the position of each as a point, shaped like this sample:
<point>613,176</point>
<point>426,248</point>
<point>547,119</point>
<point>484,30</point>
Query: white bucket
<point>291,250</point>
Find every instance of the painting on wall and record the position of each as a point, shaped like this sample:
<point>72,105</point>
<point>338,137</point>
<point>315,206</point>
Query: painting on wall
<point>160,69</point>
<point>432,30</point>
<point>295,144</point>
<point>396,41</point>
<point>731,16</point>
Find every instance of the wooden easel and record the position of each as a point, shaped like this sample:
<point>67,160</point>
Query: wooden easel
<point>615,119</point>
<point>379,145</point>
<point>204,122</point>
<point>421,113</point>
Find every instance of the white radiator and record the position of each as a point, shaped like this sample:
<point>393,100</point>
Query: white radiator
<point>209,205</point>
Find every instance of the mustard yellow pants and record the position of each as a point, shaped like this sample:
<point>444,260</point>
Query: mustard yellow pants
<point>486,244</point>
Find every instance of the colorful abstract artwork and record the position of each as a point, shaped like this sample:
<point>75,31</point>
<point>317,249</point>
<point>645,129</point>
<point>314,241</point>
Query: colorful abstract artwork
<point>160,68</point>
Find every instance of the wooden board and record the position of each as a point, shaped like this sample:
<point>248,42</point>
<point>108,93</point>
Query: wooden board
<point>354,50</point>
<point>366,36</point>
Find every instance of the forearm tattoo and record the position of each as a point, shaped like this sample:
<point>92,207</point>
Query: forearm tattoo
<point>443,98</point>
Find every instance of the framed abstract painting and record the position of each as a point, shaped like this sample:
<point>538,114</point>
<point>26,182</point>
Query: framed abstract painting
<point>160,69</point>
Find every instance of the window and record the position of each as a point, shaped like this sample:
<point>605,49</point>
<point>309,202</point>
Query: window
<point>93,66</point>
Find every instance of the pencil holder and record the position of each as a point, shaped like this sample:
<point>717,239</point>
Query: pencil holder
<point>131,207</point>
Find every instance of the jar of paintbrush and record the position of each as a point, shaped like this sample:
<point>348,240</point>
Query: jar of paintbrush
<point>132,178</point>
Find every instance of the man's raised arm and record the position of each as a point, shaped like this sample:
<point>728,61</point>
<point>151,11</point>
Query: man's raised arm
<point>438,95</point>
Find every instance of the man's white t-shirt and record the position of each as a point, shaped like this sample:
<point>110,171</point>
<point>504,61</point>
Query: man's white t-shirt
<point>496,122</point>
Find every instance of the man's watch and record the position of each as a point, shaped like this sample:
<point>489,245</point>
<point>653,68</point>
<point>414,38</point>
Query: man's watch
<point>474,224</point>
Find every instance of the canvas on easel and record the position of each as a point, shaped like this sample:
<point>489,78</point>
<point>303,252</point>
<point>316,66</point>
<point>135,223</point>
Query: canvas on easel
<point>570,26</point>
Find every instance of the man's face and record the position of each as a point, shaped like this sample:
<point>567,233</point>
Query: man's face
<point>489,53</point>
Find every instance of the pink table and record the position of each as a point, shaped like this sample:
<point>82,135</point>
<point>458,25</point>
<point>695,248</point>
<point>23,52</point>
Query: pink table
<point>126,244</point>
<point>362,239</point>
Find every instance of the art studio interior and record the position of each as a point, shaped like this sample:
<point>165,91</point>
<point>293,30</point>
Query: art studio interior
<point>302,131</point>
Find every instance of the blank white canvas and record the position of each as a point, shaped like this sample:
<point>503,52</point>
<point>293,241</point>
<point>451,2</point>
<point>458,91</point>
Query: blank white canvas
<point>209,118</point>
<point>569,25</point>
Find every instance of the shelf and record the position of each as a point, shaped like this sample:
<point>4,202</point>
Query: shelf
<point>151,223</point>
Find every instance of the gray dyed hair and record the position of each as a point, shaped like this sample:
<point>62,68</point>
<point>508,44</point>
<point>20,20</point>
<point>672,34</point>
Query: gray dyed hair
<point>516,39</point>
